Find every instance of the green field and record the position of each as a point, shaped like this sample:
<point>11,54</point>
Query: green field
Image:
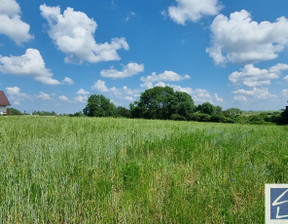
<point>104,170</point>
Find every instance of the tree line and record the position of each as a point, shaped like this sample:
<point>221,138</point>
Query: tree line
<point>166,104</point>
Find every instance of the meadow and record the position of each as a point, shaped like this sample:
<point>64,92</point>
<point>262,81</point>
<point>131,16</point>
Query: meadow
<point>107,170</point>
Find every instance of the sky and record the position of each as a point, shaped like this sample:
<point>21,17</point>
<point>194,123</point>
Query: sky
<point>54,54</point>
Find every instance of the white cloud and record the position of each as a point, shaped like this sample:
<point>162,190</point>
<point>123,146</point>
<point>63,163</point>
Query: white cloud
<point>16,96</point>
<point>13,90</point>
<point>123,93</point>
<point>11,23</point>
<point>193,10</point>
<point>44,96</point>
<point>73,33</point>
<point>82,92</point>
<point>29,64</point>
<point>286,78</point>
<point>255,93</point>
<point>63,98</point>
<point>127,71</point>
<point>168,76</point>
<point>82,96</point>
<point>240,98</point>
<point>68,81</point>
<point>251,76</point>
<point>239,39</point>
<point>81,99</point>
<point>100,86</point>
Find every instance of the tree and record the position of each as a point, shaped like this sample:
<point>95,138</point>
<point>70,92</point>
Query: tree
<point>99,106</point>
<point>122,112</point>
<point>185,104</point>
<point>156,103</point>
<point>284,117</point>
<point>207,108</point>
<point>232,112</point>
<point>44,113</point>
<point>13,111</point>
<point>162,103</point>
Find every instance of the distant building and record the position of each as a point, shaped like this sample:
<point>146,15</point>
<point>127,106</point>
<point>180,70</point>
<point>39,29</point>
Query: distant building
<point>4,102</point>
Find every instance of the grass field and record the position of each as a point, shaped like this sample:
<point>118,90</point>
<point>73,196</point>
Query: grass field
<point>92,170</point>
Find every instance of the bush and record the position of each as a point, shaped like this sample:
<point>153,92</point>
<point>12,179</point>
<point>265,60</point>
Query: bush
<point>200,117</point>
<point>178,117</point>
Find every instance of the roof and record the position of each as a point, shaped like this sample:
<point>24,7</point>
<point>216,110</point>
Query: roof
<point>3,99</point>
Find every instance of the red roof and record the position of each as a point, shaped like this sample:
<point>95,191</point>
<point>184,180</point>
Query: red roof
<point>3,99</point>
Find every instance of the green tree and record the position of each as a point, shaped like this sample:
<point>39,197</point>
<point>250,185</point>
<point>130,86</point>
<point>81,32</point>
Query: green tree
<point>156,103</point>
<point>122,112</point>
<point>13,111</point>
<point>184,105</point>
<point>232,112</point>
<point>99,106</point>
<point>284,117</point>
<point>162,103</point>
<point>207,108</point>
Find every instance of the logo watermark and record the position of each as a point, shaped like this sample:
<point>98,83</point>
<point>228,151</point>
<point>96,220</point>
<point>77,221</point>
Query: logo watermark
<point>276,203</point>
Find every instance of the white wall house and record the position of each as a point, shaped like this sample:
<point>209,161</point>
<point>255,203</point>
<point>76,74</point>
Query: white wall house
<point>2,110</point>
<point>4,102</point>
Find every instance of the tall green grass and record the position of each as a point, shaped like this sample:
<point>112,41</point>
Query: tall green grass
<point>104,170</point>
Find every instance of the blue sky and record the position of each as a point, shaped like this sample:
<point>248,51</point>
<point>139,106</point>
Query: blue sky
<point>54,54</point>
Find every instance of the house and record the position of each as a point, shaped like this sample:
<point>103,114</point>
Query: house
<point>4,102</point>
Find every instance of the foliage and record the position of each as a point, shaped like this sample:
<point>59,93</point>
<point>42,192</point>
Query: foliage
<point>99,106</point>
<point>122,112</point>
<point>198,116</point>
<point>95,170</point>
<point>232,112</point>
<point>162,103</point>
<point>166,104</point>
<point>44,113</point>
<point>13,111</point>
<point>206,108</point>
<point>284,117</point>
<point>77,114</point>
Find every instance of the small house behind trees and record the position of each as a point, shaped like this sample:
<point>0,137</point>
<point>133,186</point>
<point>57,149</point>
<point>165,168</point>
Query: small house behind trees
<point>4,102</point>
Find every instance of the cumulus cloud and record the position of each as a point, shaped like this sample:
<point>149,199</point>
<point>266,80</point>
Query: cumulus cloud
<point>15,95</point>
<point>127,71</point>
<point>29,64</point>
<point>123,93</point>
<point>199,95</point>
<point>240,98</point>
<point>251,76</point>
<point>73,33</point>
<point>81,99</point>
<point>44,96</point>
<point>193,10</point>
<point>11,23</point>
<point>254,93</point>
<point>166,76</point>
<point>63,98</point>
<point>239,39</point>
<point>81,96</point>
<point>68,81</point>
<point>100,86</point>
<point>82,92</point>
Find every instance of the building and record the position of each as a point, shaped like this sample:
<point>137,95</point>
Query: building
<point>4,102</point>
